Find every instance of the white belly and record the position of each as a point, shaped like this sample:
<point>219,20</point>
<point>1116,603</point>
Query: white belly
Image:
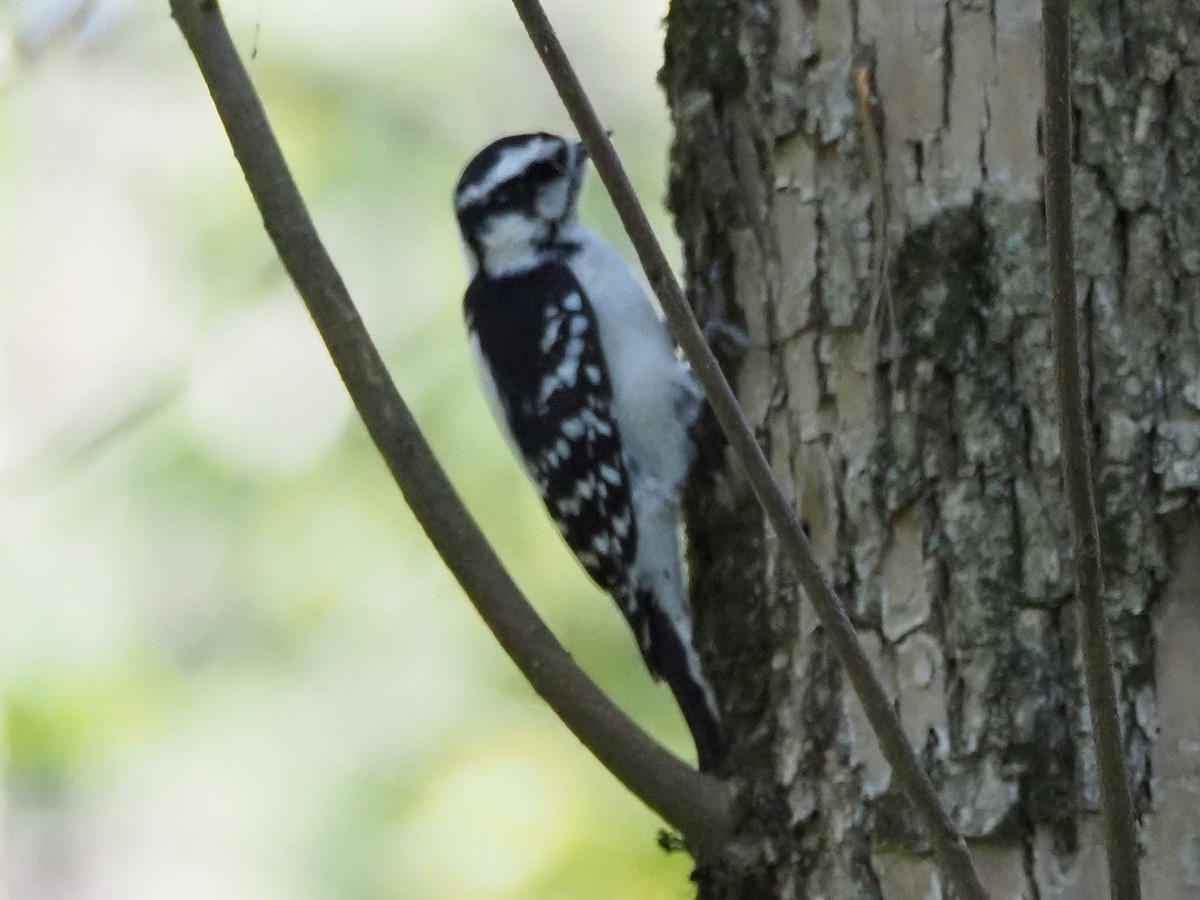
<point>654,394</point>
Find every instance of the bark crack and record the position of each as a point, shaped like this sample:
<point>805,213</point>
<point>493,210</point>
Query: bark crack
<point>947,61</point>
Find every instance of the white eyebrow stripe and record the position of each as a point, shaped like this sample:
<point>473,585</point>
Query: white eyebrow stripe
<point>511,163</point>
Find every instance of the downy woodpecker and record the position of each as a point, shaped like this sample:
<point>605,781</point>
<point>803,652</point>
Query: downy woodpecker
<point>583,380</point>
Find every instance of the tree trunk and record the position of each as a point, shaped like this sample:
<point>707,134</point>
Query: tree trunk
<point>892,264</point>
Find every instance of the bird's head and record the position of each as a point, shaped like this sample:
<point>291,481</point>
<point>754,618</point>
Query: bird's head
<point>516,196</point>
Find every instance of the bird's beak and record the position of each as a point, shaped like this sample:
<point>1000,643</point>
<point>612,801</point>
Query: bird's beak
<point>581,151</point>
<point>579,158</point>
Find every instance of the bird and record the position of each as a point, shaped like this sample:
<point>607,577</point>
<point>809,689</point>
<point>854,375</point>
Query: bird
<point>583,381</point>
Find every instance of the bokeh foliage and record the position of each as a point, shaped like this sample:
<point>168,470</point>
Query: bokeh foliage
<point>232,665</point>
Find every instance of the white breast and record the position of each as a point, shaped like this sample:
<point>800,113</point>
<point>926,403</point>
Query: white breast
<point>655,396</point>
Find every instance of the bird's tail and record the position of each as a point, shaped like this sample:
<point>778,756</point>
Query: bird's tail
<point>661,615</point>
<point>672,657</point>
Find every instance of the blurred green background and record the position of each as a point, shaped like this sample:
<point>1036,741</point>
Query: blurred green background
<point>232,665</point>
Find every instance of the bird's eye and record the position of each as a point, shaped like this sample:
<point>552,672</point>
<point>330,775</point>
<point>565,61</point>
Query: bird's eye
<point>545,170</point>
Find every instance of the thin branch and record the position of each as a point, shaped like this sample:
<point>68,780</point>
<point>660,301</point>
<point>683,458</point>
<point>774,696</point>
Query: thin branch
<point>1074,429</point>
<point>695,803</point>
<point>948,845</point>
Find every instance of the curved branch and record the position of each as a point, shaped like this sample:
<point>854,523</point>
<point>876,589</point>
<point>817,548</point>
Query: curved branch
<point>1074,428</point>
<point>697,804</point>
<point>948,845</point>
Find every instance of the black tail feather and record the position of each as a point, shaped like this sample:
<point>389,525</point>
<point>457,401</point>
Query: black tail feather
<point>668,659</point>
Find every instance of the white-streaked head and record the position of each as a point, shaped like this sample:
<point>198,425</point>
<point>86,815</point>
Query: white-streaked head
<point>515,197</point>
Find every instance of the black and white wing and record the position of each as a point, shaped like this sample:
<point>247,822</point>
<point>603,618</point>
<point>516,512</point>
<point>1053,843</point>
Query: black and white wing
<point>538,351</point>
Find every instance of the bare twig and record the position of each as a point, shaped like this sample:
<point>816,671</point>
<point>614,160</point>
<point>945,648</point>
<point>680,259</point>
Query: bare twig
<point>1074,429</point>
<point>871,127</point>
<point>868,120</point>
<point>948,845</point>
<point>696,804</point>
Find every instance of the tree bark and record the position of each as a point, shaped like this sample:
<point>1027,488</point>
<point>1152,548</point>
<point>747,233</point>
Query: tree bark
<point>896,279</point>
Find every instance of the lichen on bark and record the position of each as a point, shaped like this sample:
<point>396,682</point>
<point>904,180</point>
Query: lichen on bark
<point>918,434</point>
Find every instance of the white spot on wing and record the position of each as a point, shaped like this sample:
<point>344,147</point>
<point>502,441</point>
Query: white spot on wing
<point>620,524</point>
<point>601,426</point>
<point>565,374</point>
<point>549,386</point>
<point>550,335</point>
